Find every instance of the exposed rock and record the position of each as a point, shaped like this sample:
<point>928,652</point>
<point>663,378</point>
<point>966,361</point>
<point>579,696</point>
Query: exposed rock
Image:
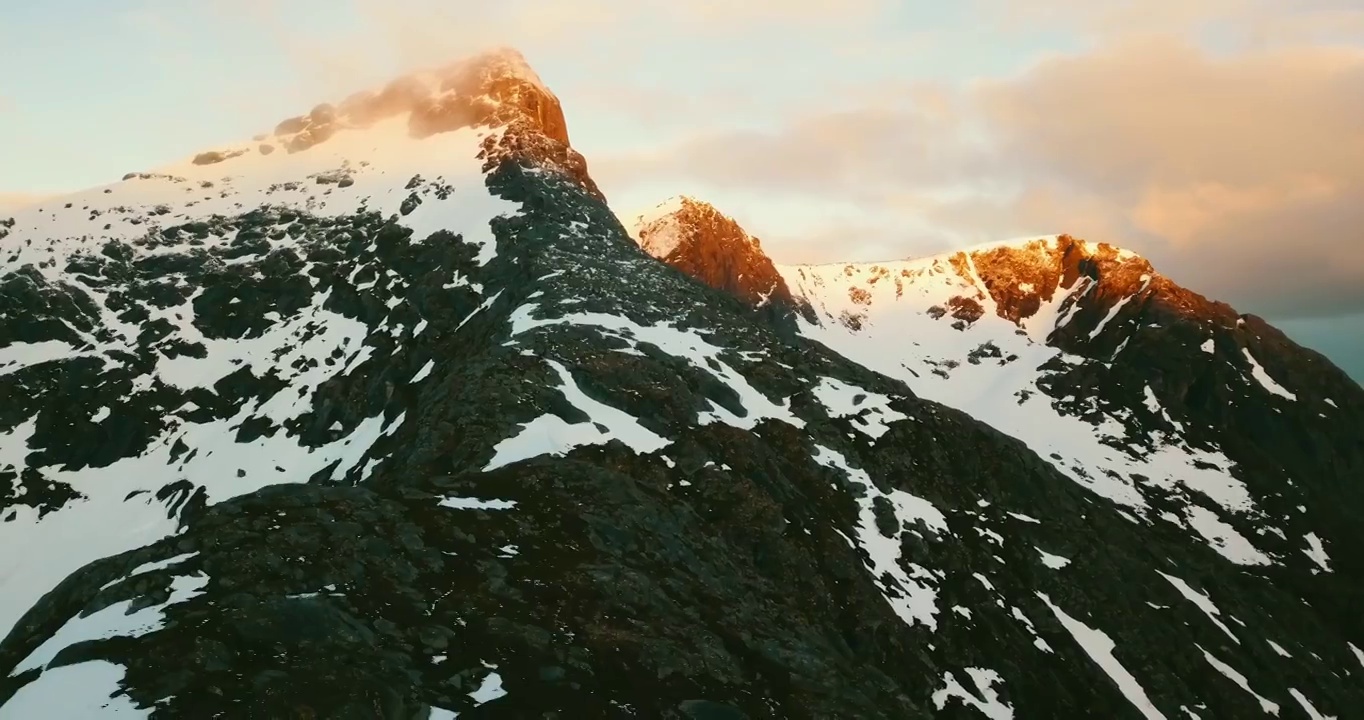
<point>214,157</point>
<point>709,246</point>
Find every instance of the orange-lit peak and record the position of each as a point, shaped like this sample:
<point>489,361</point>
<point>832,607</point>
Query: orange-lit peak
<point>495,88</point>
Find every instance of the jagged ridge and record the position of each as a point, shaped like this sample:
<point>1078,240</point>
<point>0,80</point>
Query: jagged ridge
<point>699,240</point>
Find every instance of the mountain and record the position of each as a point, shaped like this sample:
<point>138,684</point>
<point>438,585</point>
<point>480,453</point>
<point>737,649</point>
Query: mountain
<point>1088,353</point>
<point>395,419</point>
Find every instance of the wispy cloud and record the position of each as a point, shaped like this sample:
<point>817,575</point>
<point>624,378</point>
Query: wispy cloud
<point>1248,22</point>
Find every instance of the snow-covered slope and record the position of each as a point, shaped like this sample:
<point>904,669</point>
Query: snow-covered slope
<point>932,323</point>
<point>143,219</point>
<point>999,348</point>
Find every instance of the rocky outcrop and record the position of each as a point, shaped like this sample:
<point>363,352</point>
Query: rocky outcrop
<point>707,245</point>
<point>1021,277</point>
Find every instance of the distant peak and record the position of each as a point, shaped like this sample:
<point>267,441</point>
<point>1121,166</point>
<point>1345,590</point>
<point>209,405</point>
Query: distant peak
<point>1048,246</point>
<point>662,228</point>
<point>696,238</point>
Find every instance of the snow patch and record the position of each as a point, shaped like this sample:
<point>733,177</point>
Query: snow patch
<point>1308,707</point>
<point>472,503</point>
<point>490,688</point>
<point>85,690</point>
<point>1055,562</point>
<point>1317,551</point>
<point>1224,538</point>
<point>1202,602</point>
<point>1118,306</point>
<point>1230,673</point>
<point>985,700</point>
<point>1263,378</point>
<point>909,592</point>
<point>1100,647</point>
<point>871,412</point>
<point>686,344</point>
<point>550,434</point>
<point>424,372</point>
<point>117,620</point>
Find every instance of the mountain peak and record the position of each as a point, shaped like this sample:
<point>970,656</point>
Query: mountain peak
<point>495,89</point>
<point>1021,276</point>
<point>664,228</point>
<point>696,238</point>
<point>1040,284</point>
<point>1061,243</point>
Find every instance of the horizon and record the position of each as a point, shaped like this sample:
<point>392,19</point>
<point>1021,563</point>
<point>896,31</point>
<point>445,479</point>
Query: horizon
<point>1213,138</point>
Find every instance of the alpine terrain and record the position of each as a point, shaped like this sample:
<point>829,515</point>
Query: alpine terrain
<point>385,414</point>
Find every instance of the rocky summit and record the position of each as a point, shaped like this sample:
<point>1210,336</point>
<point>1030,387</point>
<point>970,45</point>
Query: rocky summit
<point>396,419</point>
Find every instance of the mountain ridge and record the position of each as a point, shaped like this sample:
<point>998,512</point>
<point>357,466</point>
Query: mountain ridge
<point>1073,258</point>
<point>1078,307</point>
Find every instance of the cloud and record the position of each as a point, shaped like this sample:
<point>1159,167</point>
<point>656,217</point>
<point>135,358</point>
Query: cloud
<point>379,38</point>
<point>1241,173</point>
<point>1237,174</point>
<point>911,142</point>
<point>1258,23</point>
<point>1184,116</point>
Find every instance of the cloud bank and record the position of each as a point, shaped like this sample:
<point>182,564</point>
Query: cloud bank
<point>1238,172</point>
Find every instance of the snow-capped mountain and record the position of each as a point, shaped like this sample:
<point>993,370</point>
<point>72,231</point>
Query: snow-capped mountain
<point>385,414</point>
<point>1136,389</point>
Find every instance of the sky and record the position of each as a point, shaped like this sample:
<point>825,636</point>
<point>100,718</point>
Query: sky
<point>1219,138</point>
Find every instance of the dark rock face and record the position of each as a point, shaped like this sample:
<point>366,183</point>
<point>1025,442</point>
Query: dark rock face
<point>1214,371</point>
<point>1019,279</point>
<point>1171,369</point>
<point>566,481</point>
<point>1223,377</point>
